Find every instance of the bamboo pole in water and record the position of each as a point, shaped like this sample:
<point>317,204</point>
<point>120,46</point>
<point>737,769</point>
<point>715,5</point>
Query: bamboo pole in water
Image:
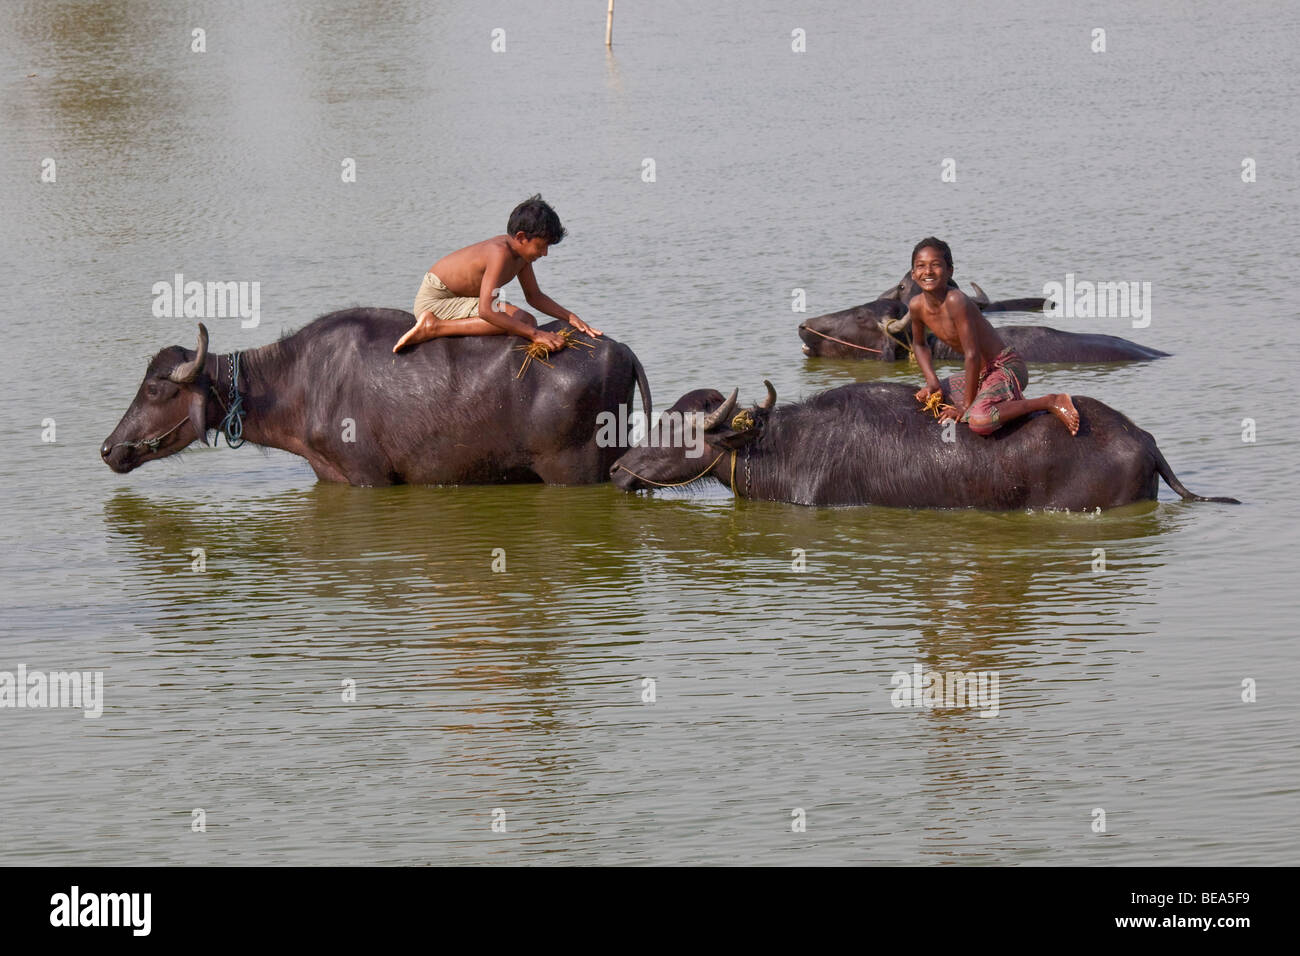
<point>609,25</point>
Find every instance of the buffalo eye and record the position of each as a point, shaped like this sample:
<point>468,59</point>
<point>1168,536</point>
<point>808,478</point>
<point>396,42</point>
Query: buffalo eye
<point>157,390</point>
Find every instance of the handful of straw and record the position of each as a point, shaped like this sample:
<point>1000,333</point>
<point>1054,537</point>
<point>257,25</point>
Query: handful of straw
<point>536,352</point>
<point>934,404</point>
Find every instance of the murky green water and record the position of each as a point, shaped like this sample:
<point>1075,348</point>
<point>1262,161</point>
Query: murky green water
<point>770,632</point>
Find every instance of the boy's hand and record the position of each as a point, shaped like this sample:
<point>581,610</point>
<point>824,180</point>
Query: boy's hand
<point>582,326</point>
<point>926,391</point>
<point>552,341</point>
<point>953,412</point>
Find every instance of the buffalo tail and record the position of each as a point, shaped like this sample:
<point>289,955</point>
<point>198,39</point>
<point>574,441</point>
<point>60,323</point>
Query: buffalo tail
<point>1171,479</point>
<point>643,385</point>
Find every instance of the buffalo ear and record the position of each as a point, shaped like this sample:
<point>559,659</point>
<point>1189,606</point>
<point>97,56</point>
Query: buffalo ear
<point>199,415</point>
<point>732,440</point>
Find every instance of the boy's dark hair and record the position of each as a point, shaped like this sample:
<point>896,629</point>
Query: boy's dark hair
<point>536,220</point>
<point>933,243</point>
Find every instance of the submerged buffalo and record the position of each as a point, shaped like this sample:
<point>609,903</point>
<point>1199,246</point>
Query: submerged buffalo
<point>870,444</point>
<point>451,411</point>
<point>881,330</point>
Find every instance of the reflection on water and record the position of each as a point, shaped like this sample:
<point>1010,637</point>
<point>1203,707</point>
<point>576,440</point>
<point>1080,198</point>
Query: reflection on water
<point>601,589</point>
<point>387,553</point>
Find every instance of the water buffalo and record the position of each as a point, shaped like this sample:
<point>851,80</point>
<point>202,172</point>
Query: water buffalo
<point>880,330</point>
<point>870,443</point>
<point>450,411</point>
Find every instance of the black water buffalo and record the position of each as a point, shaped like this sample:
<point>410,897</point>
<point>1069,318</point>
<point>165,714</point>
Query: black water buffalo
<point>880,330</point>
<point>450,411</point>
<point>870,443</point>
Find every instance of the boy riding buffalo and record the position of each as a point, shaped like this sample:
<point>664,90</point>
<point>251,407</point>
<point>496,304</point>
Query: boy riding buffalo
<point>989,392</point>
<point>460,292</point>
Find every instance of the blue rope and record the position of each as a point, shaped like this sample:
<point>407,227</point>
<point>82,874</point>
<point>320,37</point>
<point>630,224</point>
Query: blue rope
<point>232,426</point>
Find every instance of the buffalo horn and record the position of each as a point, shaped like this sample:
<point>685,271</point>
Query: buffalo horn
<point>189,371</point>
<point>770,401</point>
<point>722,413</point>
<point>897,326</point>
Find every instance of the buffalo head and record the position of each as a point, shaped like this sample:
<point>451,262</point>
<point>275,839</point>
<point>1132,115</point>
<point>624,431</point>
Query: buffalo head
<point>871,330</point>
<point>862,326</point>
<point>660,462</point>
<point>169,411</point>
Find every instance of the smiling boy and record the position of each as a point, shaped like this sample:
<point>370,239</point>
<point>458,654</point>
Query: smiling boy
<point>459,294</point>
<point>989,392</point>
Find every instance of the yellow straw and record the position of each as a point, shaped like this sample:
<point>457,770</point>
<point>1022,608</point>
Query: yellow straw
<point>536,352</point>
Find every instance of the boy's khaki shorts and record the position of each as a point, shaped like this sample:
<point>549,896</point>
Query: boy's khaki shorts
<point>442,302</point>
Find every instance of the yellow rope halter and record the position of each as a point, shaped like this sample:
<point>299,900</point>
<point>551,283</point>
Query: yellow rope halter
<point>884,330</point>
<point>678,484</point>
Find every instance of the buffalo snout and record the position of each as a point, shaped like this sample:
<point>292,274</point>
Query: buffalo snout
<point>118,456</point>
<point>622,478</point>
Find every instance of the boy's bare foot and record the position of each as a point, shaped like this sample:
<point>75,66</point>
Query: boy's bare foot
<point>425,328</point>
<point>1063,408</point>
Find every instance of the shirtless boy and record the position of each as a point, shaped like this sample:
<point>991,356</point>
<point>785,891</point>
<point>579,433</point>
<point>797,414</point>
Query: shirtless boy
<point>460,293</point>
<point>990,391</point>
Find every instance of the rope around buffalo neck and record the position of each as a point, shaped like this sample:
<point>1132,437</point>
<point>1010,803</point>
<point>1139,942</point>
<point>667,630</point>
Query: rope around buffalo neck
<point>232,425</point>
<point>884,328</point>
